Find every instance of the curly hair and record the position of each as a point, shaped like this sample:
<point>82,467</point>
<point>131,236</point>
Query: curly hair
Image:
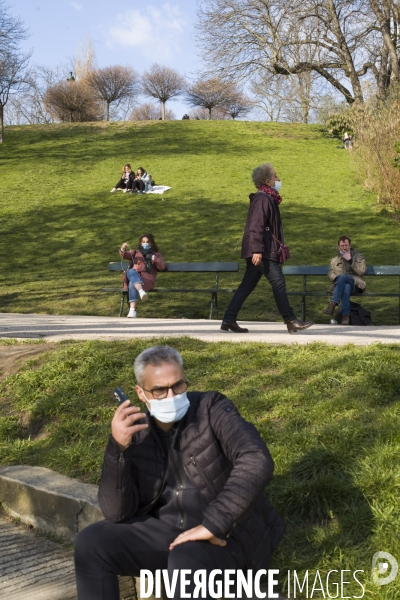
<point>261,173</point>
<point>151,239</point>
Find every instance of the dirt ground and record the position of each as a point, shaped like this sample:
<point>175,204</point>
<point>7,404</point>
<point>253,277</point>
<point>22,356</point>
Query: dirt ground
<point>14,356</point>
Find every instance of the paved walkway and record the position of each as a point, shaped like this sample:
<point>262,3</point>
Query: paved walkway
<point>34,568</point>
<point>55,328</point>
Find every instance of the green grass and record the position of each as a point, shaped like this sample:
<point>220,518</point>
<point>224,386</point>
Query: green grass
<point>61,226</point>
<point>330,417</point>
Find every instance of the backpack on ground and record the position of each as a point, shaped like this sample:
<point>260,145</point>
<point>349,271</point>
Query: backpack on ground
<point>358,315</point>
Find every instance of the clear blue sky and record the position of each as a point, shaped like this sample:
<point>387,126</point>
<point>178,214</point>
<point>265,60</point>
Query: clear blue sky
<point>134,33</point>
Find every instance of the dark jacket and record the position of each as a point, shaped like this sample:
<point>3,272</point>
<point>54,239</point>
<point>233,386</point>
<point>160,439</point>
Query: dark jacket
<point>263,220</point>
<point>223,456</point>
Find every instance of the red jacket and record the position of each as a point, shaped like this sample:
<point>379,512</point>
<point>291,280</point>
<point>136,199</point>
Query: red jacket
<point>139,264</point>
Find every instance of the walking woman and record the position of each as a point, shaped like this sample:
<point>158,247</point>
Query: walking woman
<point>126,181</point>
<point>260,247</point>
<point>140,277</point>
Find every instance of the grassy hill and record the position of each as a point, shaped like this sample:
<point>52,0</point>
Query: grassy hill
<point>61,226</point>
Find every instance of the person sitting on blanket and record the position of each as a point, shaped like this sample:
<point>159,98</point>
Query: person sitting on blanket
<point>126,181</point>
<point>145,262</point>
<point>142,182</point>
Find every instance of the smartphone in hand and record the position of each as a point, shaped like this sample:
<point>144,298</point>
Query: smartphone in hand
<point>120,395</point>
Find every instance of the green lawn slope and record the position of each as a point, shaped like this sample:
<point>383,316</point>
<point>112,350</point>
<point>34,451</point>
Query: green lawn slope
<point>61,226</point>
<point>330,417</point>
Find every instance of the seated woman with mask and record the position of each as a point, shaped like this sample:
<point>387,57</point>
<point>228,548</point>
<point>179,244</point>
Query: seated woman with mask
<point>145,262</point>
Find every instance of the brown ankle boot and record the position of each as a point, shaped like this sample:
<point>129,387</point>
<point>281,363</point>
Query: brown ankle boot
<point>346,320</point>
<point>330,309</point>
<point>295,325</point>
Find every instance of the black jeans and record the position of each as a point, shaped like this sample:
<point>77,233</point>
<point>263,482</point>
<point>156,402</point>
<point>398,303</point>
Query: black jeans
<point>139,185</point>
<point>122,183</point>
<point>252,276</point>
<point>104,550</point>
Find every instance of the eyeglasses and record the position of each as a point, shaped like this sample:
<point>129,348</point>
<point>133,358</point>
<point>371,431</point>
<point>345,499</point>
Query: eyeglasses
<point>159,393</point>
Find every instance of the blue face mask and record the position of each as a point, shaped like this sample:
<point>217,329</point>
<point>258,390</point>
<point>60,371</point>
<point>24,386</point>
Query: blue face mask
<point>146,245</point>
<point>278,185</point>
<point>169,410</point>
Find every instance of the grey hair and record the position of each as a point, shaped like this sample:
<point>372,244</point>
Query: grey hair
<point>155,356</point>
<point>261,173</point>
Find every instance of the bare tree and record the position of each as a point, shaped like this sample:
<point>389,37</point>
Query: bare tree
<point>84,60</point>
<point>211,93</point>
<point>113,84</point>
<point>73,101</point>
<point>202,114</point>
<point>163,84</point>
<point>271,96</point>
<point>338,40</point>
<point>29,106</point>
<point>149,112</point>
<point>238,106</point>
<point>13,62</point>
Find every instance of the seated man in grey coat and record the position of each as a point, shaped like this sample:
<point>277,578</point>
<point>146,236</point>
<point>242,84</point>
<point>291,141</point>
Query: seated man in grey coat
<point>346,274</point>
<point>182,486</point>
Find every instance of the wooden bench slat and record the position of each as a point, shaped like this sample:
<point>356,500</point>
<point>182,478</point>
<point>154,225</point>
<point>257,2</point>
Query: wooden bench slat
<point>182,267</point>
<point>205,290</point>
<point>387,270</point>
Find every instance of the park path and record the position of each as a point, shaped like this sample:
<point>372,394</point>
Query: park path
<point>55,328</point>
<point>33,568</point>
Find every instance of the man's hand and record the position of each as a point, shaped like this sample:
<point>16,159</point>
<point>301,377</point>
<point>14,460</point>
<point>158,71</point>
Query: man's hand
<point>256,259</point>
<point>123,424</point>
<point>346,255</point>
<point>196,534</point>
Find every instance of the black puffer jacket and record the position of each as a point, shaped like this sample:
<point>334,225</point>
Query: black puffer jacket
<point>224,457</point>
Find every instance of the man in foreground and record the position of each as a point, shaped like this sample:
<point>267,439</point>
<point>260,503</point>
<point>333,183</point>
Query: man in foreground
<point>261,247</point>
<point>182,486</point>
<point>346,274</point>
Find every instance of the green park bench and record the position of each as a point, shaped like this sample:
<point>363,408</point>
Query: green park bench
<point>310,271</point>
<point>183,267</point>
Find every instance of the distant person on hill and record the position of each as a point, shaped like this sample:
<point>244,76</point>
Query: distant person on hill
<point>142,182</point>
<point>346,274</point>
<point>260,247</point>
<point>126,181</point>
<point>140,277</point>
<point>347,141</point>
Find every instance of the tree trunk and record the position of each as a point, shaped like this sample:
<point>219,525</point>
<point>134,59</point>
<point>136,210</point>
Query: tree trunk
<point>209,113</point>
<point>107,110</point>
<point>70,116</point>
<point>163,111</point>
<point>1,123</point>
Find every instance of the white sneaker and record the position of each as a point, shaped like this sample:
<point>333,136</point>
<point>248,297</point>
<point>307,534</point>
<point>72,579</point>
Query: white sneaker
<point>143,295</point>
<point>113,190</point>
<point>132,313</point>
<point>125,190</point>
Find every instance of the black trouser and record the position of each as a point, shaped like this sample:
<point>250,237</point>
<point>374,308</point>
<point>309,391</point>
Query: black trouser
<point>124,184</point>
<point>252,276</point>
<point>139,185</point>
<point>104,550</point>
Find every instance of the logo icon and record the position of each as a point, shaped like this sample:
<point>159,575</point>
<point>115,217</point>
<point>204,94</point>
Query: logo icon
<point>380,566</point>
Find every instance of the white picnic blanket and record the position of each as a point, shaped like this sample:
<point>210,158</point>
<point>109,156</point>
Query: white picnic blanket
<point>158,189</point>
